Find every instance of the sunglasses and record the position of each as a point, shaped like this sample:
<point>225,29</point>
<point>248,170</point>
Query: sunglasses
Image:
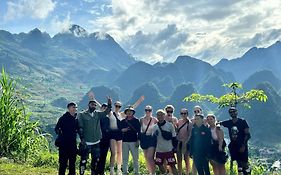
<point>169,111</point>
<point>196,111</point>
<point>147,110</point>
<point>118,106</point>
<point>183,113</point>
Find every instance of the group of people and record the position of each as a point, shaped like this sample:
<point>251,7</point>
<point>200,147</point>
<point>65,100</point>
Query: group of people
<point>165,140</point>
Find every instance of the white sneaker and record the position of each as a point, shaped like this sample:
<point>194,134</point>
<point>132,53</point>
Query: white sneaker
<point>119,172</point>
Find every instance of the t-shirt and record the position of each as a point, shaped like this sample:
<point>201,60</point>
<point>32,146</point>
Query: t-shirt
<point>236,130</point>
<point>162,144</point>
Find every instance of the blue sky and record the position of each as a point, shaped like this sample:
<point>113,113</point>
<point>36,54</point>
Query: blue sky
<point>157,30</point>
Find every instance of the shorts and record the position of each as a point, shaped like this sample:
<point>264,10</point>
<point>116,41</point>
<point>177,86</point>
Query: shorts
<point>241,158</point>
<point>169,156</point>
<point>148,141</point>
<point>115,135</point>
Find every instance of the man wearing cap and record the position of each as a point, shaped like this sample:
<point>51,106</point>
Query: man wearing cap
<point>239,135</point>
<point>89,130</point>
<point>66,129</point>
<point>130,127</point>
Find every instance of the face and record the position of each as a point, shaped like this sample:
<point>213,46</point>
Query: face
<point>148,111</point>
<point>129,113</point>
<point>160,117</point>
<point>103,108</point>
<point>198,120</point>
<point>117,106</point>
<point>233,113</point>
<point>92,106</point>
<point>197,111</point>
<point>183,113</point>
<point>72,109</point>
<point>211,120</point>
<point>169,111</point>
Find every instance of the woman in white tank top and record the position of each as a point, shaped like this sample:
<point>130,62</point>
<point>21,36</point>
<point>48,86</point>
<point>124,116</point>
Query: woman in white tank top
<point>148,143</point>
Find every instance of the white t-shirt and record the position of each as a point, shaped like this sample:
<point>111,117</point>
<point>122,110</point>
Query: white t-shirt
<point>162,144</point>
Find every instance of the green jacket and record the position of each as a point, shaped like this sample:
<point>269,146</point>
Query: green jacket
<point>89,127</point>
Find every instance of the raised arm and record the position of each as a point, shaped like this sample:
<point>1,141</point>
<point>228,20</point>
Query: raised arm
<point>108,109</point>
<point>138,102</point>
<point>91,96</point>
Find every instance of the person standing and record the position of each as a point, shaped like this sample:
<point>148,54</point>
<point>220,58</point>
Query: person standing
<point>200,144</point>
<point>89,130</point>
<point>147,140</point>
<point>67,130</point>
<point>104,142</point>
<point>218,156</point>
<point>184,128</point>
<point>165,132</point>
<point>239,135</point>
<point>130,128</point>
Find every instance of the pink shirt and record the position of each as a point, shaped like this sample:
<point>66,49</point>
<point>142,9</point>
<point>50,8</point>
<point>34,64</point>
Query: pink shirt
<point>184,133</point>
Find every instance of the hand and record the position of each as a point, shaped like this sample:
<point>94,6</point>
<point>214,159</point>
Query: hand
<point>109,101</point>
<point>220,148</point>
<point>125,129</point>
<point>242,149</point>
<point>91,95</point>
<point>137,143</point>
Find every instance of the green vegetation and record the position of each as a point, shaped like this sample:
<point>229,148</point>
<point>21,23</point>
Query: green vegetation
<point>20,137</point>
<point>230,99</point>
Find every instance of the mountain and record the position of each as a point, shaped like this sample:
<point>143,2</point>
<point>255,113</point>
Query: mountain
<point>265,118</point>
<point>262,76</point>
<point>184,70</point>
<point>73,52</point>
<point>254,60</point>
<point>152,97</point>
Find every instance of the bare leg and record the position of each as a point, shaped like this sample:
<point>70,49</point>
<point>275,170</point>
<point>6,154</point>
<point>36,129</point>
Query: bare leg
<point>187,164</point>
<point>179,159</point>
<point>150,156</point>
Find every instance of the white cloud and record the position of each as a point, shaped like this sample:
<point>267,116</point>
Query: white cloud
<point>36,9</point>
<point>209,30</point>
<point>60,25</point>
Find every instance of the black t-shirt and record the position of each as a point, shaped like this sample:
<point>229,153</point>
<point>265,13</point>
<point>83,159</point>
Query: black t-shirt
<point>236,130</point>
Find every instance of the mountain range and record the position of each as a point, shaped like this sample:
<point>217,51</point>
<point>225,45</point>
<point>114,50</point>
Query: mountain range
<point>62,68</point>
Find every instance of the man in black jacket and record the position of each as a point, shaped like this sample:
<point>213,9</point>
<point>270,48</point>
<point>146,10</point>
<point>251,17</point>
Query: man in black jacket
<point>200,144</point>
<point>66,130</point>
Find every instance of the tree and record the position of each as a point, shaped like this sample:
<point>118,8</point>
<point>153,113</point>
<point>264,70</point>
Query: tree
<point>230,99</point>
<point>19,137</point>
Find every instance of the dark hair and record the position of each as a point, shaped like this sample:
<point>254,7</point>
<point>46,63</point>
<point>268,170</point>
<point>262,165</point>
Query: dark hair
<point>71,104</point>
<point>104,105</point>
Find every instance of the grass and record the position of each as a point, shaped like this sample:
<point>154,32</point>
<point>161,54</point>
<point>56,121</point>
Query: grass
<point>49,164</point>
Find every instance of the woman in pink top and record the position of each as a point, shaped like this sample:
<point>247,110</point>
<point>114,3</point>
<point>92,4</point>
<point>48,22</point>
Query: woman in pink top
<point>184,127</point>
<point>148,143</point>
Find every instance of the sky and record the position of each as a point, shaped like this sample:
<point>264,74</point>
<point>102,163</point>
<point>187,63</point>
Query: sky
<point>157,30</point>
